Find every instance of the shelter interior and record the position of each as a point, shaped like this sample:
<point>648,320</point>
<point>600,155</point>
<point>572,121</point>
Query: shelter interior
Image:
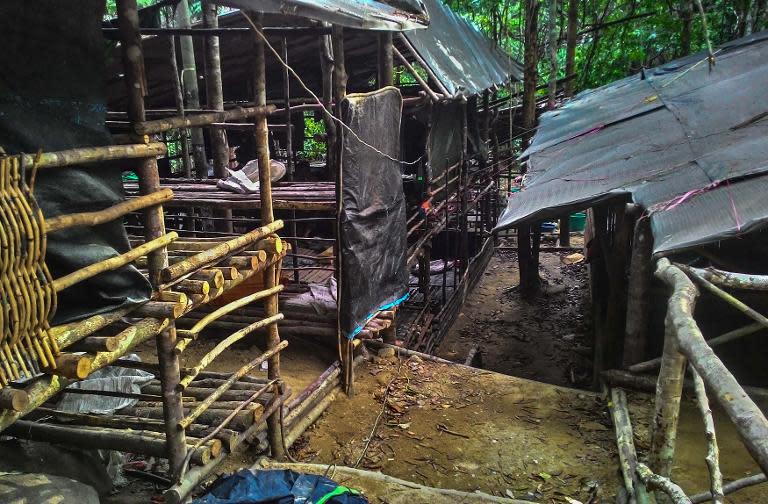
<point>189,207</point>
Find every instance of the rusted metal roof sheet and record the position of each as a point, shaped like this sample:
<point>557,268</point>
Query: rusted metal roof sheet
<point>464,59</point>
<point>363,14</point>
<point>685,142</point>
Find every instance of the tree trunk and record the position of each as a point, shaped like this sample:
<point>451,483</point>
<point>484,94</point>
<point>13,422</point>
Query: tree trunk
<point>531,76</point>
<point>529,275</point>
<point>189,80</point>
<point>215,98</point>
<point>570,48</point>
<point>686,19</point>
<point>552,51</point>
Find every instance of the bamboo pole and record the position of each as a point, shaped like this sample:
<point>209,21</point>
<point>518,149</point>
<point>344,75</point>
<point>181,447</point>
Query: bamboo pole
<point>218,252</point>
<point>112,263</point>
<point>274,429</point>
<point>109,214</point>
<point>713,453</point>
<point>88,155</point>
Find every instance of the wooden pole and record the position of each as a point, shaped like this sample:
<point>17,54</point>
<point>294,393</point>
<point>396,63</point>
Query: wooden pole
<point>749,420</point>
<point>215,97</point>
<point>663,486</point>
<point>326,66</point>
<point>713,453</point>
<point>149,182</point>
<point>626,445</point>
<point>100,217</point>
<point>88,155</point>
<point>274,429</point>
<point>424,85</point>
<point>178,96</point>
<point>191,92</point>
<point>639,293</point>
<point>339,94</point>
<point>289,158</point>
<point>669,389</point>
<point>386,60</point>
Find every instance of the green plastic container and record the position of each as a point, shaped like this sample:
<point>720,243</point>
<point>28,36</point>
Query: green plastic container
<point>578,221</point>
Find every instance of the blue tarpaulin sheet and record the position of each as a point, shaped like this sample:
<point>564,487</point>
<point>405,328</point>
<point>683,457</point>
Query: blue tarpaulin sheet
<point>279,487</point>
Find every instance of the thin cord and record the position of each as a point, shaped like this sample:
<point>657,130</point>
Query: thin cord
<point>319,102</point>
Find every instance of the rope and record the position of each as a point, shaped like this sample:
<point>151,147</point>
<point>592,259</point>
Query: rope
<point>319,102</point>
<point>27,297</point>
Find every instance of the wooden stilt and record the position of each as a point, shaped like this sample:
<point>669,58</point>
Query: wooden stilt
<point>274,429</point>
<point>149,182</point>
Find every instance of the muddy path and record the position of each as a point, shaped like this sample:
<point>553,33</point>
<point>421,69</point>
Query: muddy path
<point>545,337</point>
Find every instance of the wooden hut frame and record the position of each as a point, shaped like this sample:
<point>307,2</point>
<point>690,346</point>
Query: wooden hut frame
<point>684,344</point>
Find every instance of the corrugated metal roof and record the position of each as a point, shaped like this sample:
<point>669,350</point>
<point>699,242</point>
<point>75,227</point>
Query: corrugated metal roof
<point>464,59</point>
<point>680,140</point>
<point>363,14</point>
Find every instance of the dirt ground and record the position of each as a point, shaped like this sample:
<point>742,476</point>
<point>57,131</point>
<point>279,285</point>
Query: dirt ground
<point>544,338</point>
<point>451,426</point>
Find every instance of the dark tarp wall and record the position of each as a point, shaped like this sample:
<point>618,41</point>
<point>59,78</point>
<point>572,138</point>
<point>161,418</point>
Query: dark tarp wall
<point>679,140</point>
<point>52,98</point>
<point>373,232</point>
<point>445,142</point>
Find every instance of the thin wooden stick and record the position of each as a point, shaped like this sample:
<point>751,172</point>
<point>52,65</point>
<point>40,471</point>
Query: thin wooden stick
<point>713,453</point>
<point>731,487</point>
<point>189,419</point>
<point>95,218</point>
<point>112,263</point>
<point>224,344</point>
<point>229,308</point>
<point>416,75</point>
<point>86,155</point>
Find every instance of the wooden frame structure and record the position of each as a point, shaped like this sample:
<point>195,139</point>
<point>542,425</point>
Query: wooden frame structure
<point>685,347</point>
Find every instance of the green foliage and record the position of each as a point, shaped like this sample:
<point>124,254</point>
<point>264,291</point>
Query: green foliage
<point>616,37</point>
<point>313,128</point>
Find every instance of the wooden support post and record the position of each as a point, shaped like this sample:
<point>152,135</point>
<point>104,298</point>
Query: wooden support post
<point>386,60</point>
<point>289,158</point>
<point>178,96</point>
<point>189,80</point>
<point>215,96</point>
<point>326,66</point>
<point>274,429</point>
<point>639,293</point>
<point>346,347</point>
<point>565,231</point>
<point>149,182</point>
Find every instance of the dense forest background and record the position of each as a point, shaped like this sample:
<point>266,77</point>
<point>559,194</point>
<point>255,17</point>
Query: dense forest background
<point>611,39</point>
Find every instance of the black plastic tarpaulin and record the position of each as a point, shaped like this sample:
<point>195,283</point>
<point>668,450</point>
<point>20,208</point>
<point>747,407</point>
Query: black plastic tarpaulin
<point>373,239</point>
<point>463,59</point>
<point>686,142</point>
<point>52,98</point>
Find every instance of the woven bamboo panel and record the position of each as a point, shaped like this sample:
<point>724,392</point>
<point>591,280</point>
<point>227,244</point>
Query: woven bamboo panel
<point>27,298</point>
